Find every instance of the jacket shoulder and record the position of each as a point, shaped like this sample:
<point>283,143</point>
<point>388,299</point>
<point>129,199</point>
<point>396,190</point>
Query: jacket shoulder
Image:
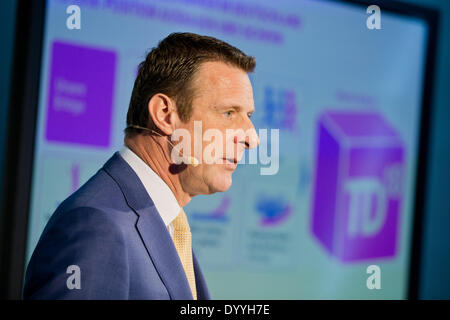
<point>89,239</point>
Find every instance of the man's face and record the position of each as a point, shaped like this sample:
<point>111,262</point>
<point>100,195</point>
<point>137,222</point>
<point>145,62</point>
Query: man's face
<point>223,100</point>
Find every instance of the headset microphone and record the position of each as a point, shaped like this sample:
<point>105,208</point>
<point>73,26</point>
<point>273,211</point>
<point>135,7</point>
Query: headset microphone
<point>193,161</point>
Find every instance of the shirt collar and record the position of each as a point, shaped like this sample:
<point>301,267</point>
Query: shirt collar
<point>162,196</point>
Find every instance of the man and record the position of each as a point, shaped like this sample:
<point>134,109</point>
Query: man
<point>124,234</point>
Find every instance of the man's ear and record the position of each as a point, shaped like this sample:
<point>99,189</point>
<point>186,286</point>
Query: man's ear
<point>163,112</point>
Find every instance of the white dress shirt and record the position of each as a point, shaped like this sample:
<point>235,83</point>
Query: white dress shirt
<point>162,196</point>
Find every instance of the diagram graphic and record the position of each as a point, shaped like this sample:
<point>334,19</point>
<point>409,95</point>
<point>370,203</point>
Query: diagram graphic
<point>358,185</point>
<point>80,97</point>
<point>280,108</point>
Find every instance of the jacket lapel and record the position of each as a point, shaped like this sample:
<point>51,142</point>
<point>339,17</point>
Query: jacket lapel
<point>163,253</point>
<point>152,229</point>
<point>200,283</point>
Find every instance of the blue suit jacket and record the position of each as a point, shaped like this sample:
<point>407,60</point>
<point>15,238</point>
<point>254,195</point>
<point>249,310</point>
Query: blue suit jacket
<point>112,231</point>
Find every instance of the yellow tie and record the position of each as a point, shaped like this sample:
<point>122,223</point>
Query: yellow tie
<point>182,239</point>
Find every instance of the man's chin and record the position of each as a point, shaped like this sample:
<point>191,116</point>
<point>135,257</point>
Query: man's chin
<point>222,184</point>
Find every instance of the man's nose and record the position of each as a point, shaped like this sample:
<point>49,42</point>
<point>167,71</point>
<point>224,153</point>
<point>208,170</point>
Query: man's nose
<point>251,139</point>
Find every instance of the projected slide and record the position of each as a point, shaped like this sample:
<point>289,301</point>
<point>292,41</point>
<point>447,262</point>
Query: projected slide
<point>346,104</point>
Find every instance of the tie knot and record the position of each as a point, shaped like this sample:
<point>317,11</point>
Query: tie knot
<point>181,222</point>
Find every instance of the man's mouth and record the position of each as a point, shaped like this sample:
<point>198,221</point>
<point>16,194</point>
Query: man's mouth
<point>232,160</point>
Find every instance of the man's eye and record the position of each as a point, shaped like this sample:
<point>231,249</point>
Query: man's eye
<point>250,115</point>
<point>228,113</point>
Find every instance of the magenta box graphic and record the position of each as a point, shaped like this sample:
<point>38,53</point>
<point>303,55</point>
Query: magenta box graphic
<point>80,95</point>
<point>358,186</point>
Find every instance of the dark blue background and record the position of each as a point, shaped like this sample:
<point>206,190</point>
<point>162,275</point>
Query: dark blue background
<point>7,26</point>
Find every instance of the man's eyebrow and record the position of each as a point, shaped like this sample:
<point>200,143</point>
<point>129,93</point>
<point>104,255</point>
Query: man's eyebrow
<point>236,107</point>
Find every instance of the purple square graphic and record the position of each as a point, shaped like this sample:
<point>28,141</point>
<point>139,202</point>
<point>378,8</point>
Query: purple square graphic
<point>80,95</point>
<point>358,186</point>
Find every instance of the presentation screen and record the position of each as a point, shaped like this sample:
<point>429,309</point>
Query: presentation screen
<point>326,210</point>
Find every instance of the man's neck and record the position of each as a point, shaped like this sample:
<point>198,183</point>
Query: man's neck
<point>153,151</point>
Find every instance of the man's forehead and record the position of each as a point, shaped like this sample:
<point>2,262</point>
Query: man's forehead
<point>221,85</point>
